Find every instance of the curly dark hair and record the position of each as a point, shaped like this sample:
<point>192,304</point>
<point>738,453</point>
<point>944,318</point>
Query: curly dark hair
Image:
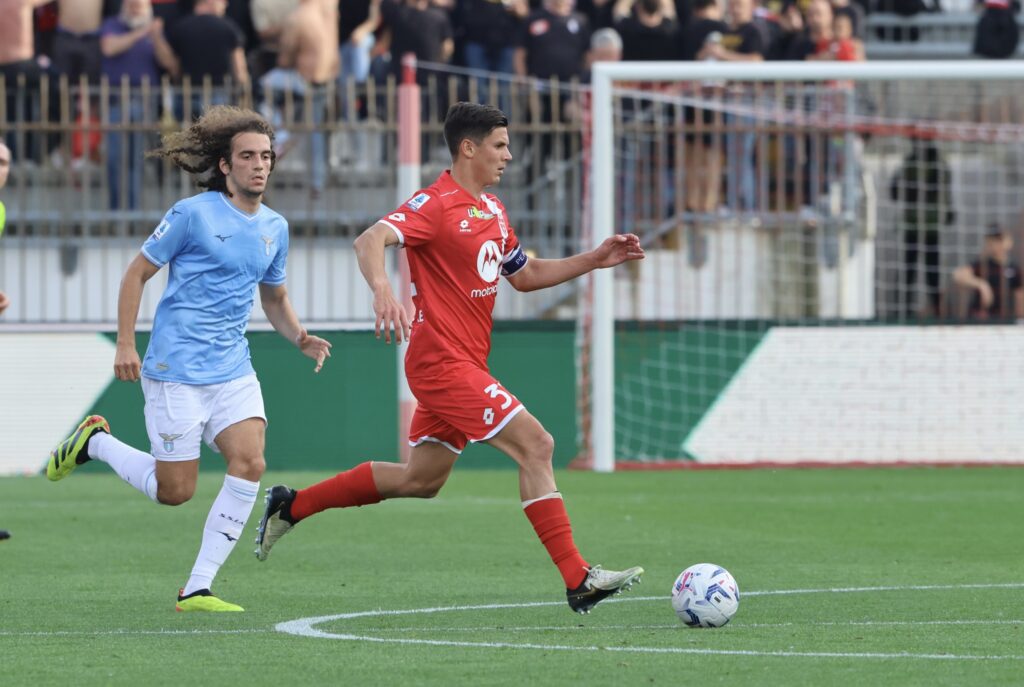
<point>200,148</point>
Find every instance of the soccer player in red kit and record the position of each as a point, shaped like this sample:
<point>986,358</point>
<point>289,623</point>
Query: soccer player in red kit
<point>459,241</point>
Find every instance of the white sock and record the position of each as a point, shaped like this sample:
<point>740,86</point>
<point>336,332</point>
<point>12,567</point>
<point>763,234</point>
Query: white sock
<point>132,465</point>
<point>224,526</point>
<point>552,495</point>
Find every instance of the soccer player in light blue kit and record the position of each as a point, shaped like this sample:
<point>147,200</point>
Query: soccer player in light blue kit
<point>197,377</point>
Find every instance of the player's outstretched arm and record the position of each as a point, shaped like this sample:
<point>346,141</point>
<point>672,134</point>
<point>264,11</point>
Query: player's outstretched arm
<point>281,314</point>
<point>389,313</point>
<point>541,274</point>
<point>127,365</point>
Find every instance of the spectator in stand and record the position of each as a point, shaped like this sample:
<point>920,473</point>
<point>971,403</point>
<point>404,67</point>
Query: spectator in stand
<point>997,34</point>
<point>839,43</point>
<point>766,20</point>
<point>922,187</point>
<point>741,42</point>
<point>240,12</point>
<point>553,42</point>
<point>701,151</point>
<point>208,44</point>
<point>17,58</point>
<point>649,32</point>
<point>76,54</point>
<point>76,47</point>
<point>994,280</point>
<point>486,27</point>
<point>425,30</point>
<point>855,13</point>
<point>357,22</point>
<point>605,46</point>
<point>307,62</point>
<point>648,28</point>
<point>133,48</point>
<point>44,29</point>
<point>170,11</point>
<point>414,26</point>
<point>794,41</point>
<point>845,45</point>
<point>597,12</point>
<point>268,18</point>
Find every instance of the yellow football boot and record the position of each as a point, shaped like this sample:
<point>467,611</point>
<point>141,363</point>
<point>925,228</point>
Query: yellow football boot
<point>203,600</point>
<point>71,452</point>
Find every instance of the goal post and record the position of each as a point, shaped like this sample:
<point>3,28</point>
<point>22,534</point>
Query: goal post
<point>849,105</point>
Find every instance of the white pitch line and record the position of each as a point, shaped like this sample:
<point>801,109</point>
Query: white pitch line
<point>304,627</point>
<point>125,631</point>
<point>656,650</point>
<point>621,599</point>
<point>683,628</point>
<point>905,588</point>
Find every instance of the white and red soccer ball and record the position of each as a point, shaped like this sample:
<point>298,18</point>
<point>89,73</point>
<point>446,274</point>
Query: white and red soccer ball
<point>705,595</point>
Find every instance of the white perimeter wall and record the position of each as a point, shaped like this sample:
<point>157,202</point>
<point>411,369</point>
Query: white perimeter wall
<point>872,394</point>
<point>324,282</point>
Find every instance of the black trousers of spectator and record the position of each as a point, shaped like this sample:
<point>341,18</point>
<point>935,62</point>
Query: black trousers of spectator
<point>923,246</point>
<point>24,109</point>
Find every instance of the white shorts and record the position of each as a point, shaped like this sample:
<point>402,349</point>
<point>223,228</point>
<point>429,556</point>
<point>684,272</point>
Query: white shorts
<point>179,415</point>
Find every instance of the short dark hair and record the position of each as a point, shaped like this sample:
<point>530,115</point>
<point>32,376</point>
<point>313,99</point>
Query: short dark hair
<point>994,231</point>
<point>472,121</point>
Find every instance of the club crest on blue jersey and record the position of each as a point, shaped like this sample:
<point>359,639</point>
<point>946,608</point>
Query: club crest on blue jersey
<point>418,201</point>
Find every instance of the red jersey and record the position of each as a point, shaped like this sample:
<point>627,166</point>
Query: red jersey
<point>841,51</point>
<point>457,246</point>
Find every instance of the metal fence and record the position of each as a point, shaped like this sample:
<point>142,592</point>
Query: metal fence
<point>82,195</point>
<point>939,36</point>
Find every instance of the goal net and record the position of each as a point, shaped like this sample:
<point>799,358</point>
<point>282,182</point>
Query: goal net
<point>815,234</point>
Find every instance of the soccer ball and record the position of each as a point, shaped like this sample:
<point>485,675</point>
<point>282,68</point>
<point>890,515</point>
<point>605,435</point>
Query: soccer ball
<point>705,595</point>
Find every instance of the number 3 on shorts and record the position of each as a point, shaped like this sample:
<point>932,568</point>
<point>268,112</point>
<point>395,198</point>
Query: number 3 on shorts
<point>494,390</point>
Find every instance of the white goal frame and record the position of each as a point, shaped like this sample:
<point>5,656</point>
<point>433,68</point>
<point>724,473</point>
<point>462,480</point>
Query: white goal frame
<point>602,175</point>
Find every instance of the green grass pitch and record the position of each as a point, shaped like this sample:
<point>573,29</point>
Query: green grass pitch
<point>90,575</point>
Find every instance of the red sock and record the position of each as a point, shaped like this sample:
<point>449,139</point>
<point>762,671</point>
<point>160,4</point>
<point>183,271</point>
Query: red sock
<point>551,523</point>
<point>354,487</point>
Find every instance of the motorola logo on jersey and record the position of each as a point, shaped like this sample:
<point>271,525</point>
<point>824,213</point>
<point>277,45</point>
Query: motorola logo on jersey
<point>488,261</point>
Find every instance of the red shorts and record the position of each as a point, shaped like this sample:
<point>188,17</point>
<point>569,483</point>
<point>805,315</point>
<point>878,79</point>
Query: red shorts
<point>460,404</point>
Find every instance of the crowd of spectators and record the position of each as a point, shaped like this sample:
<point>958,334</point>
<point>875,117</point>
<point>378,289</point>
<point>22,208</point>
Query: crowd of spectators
<point>243,39</point>
<point>302,46</point>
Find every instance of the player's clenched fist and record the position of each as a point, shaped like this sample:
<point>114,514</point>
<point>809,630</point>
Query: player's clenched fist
<point>127,365</point>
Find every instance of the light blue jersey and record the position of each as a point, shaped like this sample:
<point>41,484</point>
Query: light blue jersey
<point>216,255</point>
